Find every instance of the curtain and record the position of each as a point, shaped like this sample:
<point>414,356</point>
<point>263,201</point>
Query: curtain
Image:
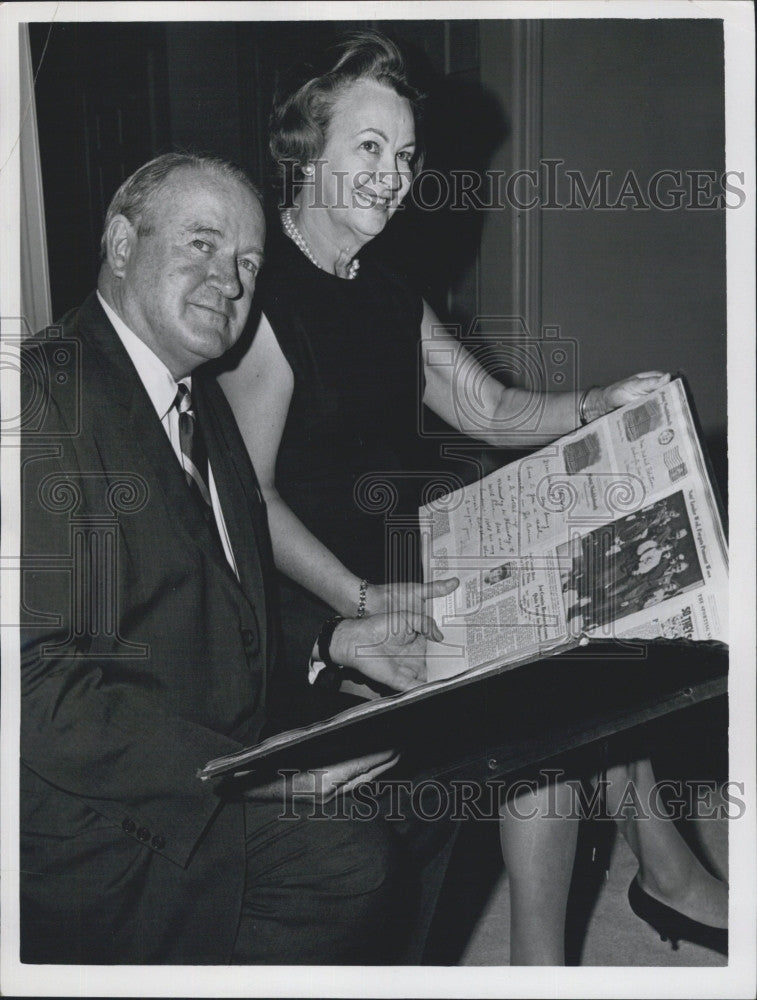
<point>35,276</point>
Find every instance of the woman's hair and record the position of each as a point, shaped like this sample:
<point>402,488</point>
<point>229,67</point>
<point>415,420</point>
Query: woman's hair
<point>305,99</point>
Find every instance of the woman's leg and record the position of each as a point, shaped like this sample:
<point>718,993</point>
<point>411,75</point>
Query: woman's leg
<point>668,869</point>
<point>538,851</point>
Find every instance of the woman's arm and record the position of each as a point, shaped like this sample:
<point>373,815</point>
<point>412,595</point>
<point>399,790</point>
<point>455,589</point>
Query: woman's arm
<point>259,391</point>
<point>461,392</point>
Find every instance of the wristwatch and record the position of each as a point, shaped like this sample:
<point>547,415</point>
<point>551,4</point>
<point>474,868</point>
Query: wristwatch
<point>323,673</point>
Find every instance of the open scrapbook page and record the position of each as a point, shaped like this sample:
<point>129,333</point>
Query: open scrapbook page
<point>612,532</point>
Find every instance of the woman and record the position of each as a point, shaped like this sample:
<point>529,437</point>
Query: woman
<point>329,389</point>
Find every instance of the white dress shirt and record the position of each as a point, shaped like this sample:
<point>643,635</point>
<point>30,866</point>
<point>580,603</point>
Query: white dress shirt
<point>162,388</point>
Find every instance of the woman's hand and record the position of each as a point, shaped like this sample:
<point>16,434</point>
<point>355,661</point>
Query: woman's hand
<point>391,597</point>
<point>601,400</point>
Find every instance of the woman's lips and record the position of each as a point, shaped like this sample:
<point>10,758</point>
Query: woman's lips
<point>371,200</point>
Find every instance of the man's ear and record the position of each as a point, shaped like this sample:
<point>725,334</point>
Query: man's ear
<point>120,238</point>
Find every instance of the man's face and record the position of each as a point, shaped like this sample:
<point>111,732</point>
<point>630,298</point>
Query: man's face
<point>189,275</point>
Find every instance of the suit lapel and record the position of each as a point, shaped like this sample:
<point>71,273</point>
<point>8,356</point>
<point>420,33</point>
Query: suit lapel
<point>238,492</point>
<point>118,387</point>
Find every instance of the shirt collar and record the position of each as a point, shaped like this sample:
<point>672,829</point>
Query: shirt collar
<point>160,384</point>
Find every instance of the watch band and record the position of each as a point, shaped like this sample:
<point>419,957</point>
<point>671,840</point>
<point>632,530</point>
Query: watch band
<point>328,676</point>
<point>324,641</point>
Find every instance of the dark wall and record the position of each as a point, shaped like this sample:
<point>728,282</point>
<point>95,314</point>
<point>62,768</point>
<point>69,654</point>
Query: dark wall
<point>100,113</point>
<point>110,96</point>
<point>638,287</point>
<point>633,289</point>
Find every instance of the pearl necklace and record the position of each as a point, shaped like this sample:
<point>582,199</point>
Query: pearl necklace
<point>299,241</point>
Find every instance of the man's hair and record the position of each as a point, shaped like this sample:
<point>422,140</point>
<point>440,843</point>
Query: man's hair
<point>133,198</point>
<point>303,103</point>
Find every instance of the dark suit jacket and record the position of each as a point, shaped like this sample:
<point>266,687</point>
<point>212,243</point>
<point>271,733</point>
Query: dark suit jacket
<point>142,658</point>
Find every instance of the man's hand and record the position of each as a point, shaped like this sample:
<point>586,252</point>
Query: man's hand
<point>322,784</point>
<point>389,648</point>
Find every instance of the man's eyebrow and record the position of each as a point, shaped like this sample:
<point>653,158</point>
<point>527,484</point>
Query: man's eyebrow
<point>256,248</point>
<point>254,252</point>
<point>199,227</point>
<point>371,128</point>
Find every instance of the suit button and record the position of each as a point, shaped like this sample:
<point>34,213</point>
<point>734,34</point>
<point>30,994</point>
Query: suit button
<point>249,639</point>
<point>143,834</point>
<point>158,842</point>
<point>128,825</point>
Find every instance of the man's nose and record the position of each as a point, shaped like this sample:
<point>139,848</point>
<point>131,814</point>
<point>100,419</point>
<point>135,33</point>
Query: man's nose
<point>224,275</point>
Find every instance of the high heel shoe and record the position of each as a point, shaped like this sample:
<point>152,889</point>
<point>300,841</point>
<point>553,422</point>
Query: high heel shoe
<point>674,926</point>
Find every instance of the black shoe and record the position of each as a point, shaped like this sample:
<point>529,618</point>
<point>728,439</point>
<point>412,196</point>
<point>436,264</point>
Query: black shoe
<point>674,926</point>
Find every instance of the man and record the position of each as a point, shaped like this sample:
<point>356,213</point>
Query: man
<point>150,635</point>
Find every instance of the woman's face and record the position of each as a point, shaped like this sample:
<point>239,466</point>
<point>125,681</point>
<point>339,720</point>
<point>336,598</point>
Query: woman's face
<point>364,171</point>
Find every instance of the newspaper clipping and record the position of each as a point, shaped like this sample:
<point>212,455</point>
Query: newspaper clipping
<point>611,532</point>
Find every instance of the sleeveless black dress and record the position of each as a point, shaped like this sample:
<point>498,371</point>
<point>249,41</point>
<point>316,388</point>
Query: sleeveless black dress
<point>350,445</point>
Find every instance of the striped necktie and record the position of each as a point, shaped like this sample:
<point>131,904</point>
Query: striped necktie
<point>194,456</point>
